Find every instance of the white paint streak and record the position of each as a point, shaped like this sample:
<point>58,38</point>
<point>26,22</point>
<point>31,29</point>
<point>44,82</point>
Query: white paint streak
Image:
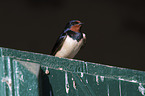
<point>74,83</point>
<point>102,78</point>
<point>82,74</point>
<point>60,68</point>
<point>17,81</point>
<point>86,80</point>
<point>46,68</point>
<point>86,66</point>
<point>133,81</point>
<point>97,79</point>
<point>108,90</point>
<point>46,71</point>
<point>66,83</point>
<point>120,87</point>
<point>8,79</point>
<point>141,89</point>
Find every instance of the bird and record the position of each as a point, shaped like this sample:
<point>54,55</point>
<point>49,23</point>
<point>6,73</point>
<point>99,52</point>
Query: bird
<point>70,40</point>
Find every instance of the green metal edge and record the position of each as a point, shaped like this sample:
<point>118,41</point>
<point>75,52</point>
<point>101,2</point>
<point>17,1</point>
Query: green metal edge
<point>77,66</point>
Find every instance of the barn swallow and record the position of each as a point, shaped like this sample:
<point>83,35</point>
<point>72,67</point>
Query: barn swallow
<point>70,41</point>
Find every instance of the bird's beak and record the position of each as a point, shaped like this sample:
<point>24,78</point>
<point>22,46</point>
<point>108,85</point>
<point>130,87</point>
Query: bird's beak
<point>81,23</point>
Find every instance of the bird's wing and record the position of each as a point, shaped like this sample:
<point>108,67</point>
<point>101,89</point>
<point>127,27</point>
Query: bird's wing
<point>58,44</point>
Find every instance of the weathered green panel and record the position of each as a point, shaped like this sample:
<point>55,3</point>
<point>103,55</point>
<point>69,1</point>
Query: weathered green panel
<point>36,74</point>
<point>18,78</point>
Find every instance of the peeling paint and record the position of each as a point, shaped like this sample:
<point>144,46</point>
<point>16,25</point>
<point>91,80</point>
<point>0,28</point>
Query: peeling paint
<point>60,68</point>
<point>46,71</point>
<point>141,89</point>
<point>102,78</point>
<point>8,82</point>
<point>82,74</point>
<point>120,88</point>
<point>74,84</point>
<point>19,75</point>
<point>133,81</point>
<point>108,90</point>
<point>28,59</point>
<point>86,80</point>
<point>86,66</point>
<point>66,83</point>
<point>97,79</point>
<point>93,73</point>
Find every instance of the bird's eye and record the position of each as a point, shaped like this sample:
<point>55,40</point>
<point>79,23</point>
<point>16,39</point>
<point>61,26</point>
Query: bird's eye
<point>74,23</point>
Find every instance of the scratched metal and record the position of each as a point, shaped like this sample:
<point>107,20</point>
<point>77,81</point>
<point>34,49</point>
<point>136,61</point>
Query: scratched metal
<point>37,74</point>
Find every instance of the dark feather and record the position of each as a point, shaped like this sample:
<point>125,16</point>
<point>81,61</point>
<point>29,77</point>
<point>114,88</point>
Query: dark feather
<point>75,35</point>
<point>58,44</point>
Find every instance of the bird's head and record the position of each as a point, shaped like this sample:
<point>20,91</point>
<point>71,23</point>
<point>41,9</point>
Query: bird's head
<point>74,25</point>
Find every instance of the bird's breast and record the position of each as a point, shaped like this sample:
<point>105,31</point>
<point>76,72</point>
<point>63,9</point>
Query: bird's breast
<point>69,48</point>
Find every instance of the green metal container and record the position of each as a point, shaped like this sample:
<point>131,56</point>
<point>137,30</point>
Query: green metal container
<point>32,74</point>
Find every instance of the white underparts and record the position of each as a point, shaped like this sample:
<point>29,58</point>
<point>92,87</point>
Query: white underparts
<point>70,48</point>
